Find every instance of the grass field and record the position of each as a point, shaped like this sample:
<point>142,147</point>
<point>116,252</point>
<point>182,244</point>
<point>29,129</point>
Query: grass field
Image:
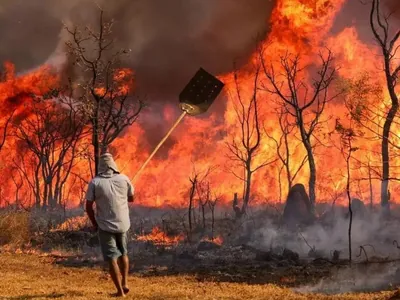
<point>33,277</point>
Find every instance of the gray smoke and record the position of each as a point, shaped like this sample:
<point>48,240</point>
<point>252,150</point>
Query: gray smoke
<point>378,236</point>
<point>363,278</point>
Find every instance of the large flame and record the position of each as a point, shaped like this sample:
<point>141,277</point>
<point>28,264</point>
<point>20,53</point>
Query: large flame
<point>298,26</point>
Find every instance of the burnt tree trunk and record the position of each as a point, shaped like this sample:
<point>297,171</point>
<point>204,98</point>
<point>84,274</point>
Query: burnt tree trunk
<point>385,157</point>
<point>203,212</point>
<point>350,207</point>
<point>246,198</point>
<point>381,30</point>
<point>287,164</point>
<point>191,198</point>
<point>386,133</point>
<point>96,138</point>
<point>212,223</point>
<point>212,204</point>
<point>311,162</point>
<point>371,195</point>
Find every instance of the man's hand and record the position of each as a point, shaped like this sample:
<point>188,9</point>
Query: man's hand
<point>90,213</point>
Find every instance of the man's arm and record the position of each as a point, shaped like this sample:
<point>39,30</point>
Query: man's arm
<point>131,190</point>
<point>90,213</point>
<point>90,198</point>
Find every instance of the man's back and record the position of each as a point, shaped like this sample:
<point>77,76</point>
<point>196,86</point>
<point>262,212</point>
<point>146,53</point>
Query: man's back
<point>111,197</point>
<point>111,191</point>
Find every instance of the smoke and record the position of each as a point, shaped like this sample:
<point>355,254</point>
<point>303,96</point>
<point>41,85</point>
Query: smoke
<point>169,40</point>
<point>329,235</point>
<point>360,278</point>
<point>375,234</point>
<point>357,13</point>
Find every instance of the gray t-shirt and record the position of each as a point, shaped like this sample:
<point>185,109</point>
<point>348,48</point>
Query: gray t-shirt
<point>111,197</point>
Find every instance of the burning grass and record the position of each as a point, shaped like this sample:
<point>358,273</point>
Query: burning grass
<point>29,276</point>
<point>159,238</point>
<point>74,224</point>
<point>217,240</point>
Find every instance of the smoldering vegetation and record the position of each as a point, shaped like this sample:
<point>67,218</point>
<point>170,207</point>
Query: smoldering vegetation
<point>375,249</point>
<point>261,248</point>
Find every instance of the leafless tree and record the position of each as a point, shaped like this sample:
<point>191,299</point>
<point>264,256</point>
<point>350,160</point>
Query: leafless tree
<point>105,89</point>
<point>49,138</point>
<point>19,183</point>
<point>347,136</point>
<point>245,147</point>
<point>204,196</point>
<point>212,204</point>
<point>303,101</point>
<point>5,130</point>
<point>283,149</point>
<point>193,181</point>
<point>200,190</point>
<point>20,164</point>
<point>371,193</point>
<point>387,41</point>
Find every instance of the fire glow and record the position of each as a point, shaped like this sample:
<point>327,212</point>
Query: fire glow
<point>217,240</point>
<point>160,238</point>
<point>299,26</point>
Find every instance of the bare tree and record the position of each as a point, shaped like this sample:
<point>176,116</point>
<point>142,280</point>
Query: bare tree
<point>304,102</point>
<point>347,136</point>
<point>105,91</point>
<point>388,43</point>
<point>200,187</point>
<point>245,147</point>
<point>212,204</point>
<point>51,136</point>
<point>204,196</point>
<point>5,130</point>
<point>193,180</point>
<point>283,149</point>
<point>19,183</point>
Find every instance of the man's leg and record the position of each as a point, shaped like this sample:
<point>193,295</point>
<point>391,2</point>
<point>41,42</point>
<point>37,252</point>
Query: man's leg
<point>115,275</point>
<point>124,266</point>
<point>108,243</point>
<point>123,260</point>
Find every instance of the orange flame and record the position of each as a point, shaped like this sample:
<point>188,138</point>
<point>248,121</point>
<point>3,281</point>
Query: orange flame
<point>160,238</point>
<point>74,224</point>
<point>217,240</point>
<point>298,26</point>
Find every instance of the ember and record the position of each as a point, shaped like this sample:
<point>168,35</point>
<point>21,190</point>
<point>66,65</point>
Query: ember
<point>74,224</point>
<point>217,240</point>
<point>160,238</point>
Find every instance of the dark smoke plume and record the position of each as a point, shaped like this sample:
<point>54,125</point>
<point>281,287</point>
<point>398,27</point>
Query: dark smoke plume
<point>169,40</point>
<point>357,13</point>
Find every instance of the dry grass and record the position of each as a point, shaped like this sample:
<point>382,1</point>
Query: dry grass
<point>14,228</point>
<point>33,277</point>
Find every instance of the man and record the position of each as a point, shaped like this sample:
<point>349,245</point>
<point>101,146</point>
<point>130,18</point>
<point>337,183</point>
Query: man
<point>111,191</point>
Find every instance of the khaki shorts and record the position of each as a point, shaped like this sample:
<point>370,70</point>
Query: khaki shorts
<point>113,245</point>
